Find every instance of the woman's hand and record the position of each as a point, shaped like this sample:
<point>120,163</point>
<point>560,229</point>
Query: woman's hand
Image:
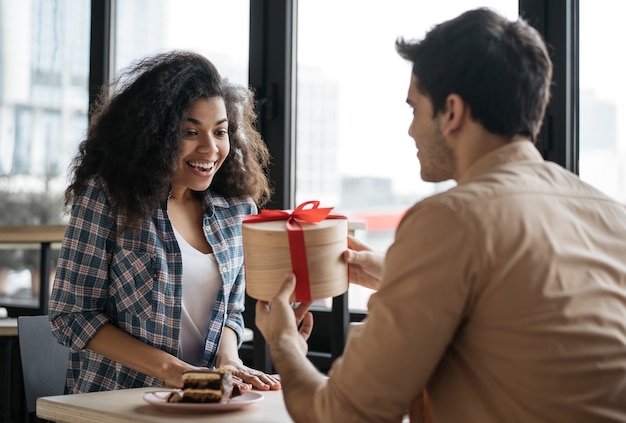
<point>172,372</point>
<point>247,378</point>
<point>365,266</point>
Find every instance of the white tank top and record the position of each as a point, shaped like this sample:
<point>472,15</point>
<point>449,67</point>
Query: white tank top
<point>201,284</point>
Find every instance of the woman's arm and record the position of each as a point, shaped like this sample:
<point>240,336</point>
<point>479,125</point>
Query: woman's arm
<point>81,283</point>
<point>119,346</point>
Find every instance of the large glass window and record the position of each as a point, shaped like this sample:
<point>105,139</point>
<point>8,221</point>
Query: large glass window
<point>352,150</point>
<point>602,97</point>
<point>44,73</point>
<point>217,29</point>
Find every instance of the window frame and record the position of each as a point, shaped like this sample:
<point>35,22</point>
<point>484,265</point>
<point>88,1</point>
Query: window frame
<point>558,23</point>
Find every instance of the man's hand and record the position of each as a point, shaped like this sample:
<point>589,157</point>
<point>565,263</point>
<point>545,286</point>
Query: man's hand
<point>281,325</point>
<point>365,266</point>
<point>286,331</point>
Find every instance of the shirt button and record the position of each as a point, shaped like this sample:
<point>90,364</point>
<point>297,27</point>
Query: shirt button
<point>223,269</point>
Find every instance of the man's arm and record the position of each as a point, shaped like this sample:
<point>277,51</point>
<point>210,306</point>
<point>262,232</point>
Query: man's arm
<point>286,331</point>
<point>411,321</point>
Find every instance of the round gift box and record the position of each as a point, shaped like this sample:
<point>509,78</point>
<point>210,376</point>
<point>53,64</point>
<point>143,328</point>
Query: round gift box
<point>267,257</point>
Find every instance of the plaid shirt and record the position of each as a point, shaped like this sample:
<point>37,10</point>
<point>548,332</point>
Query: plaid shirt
<point>134,281</point>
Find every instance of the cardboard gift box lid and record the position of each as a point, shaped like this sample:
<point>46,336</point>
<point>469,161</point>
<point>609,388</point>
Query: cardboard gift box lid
<point>279,242</point>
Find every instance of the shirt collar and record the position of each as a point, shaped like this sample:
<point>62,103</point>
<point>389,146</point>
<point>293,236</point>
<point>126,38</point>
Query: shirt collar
<point>516,151</point>
<point>208,198</point>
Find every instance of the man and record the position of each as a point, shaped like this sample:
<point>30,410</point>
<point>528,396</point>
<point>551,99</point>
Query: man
<point>503,298</point>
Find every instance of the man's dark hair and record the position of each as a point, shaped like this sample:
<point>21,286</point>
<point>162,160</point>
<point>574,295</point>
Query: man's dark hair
<point>500,68</point>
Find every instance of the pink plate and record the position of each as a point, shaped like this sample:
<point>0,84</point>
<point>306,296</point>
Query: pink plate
<point>159,399</point>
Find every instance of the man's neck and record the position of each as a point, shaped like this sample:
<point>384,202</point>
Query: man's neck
<point>475,144</point>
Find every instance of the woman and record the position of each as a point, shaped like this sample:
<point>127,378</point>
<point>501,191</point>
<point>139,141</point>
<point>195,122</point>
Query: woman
<point>150,279</point>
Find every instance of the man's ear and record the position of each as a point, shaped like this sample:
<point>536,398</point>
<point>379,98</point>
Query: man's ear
<point>454,114</point>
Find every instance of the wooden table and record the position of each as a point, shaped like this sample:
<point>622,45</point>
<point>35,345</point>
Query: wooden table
<point>8,327</point>
<point>128,406</point>
<point>45,236</point>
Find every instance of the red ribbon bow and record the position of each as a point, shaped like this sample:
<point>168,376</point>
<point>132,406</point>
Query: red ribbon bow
<point>297,247</point>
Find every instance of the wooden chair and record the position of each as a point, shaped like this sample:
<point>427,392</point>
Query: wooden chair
<point>44,360</point>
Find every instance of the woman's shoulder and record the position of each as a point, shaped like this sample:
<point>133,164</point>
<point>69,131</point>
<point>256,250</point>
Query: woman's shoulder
<point>92,206</point>
<point>95,189</point>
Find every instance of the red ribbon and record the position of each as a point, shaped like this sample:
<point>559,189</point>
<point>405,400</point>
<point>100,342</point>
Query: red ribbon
<point>297,247</point>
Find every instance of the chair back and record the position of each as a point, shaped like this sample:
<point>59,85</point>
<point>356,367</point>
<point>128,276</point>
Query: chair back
<point>44,360</point>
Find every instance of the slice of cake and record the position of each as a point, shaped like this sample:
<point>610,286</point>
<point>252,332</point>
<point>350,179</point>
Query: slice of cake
<point>206,386</point>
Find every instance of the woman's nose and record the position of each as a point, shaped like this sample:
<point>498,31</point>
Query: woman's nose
<point>208,143</point>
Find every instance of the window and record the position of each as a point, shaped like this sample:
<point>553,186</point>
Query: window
<point>23,139</point>
<point>217,29</point>
<point>44,72</point>
<point>602,97</point>
<point>352,147</point>
<point>44,97</point>
<point>44,69</point>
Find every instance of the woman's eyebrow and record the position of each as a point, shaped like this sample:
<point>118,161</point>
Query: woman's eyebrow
<point>197,122</point>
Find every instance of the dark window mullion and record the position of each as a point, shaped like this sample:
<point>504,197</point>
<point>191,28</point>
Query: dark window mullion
<point>272,76</point>
<point>102,30</point>
<point>557,20</point>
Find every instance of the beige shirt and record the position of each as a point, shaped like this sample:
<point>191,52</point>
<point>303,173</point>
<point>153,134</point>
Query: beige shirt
<point>505,297</point>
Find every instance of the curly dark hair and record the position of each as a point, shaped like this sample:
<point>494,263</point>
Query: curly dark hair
<point>135,132</point>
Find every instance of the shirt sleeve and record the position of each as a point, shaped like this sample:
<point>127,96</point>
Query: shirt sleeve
<point>236,301</point>
<point>234,313</point>
<point>411,320</point>
<point>80,291</point>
